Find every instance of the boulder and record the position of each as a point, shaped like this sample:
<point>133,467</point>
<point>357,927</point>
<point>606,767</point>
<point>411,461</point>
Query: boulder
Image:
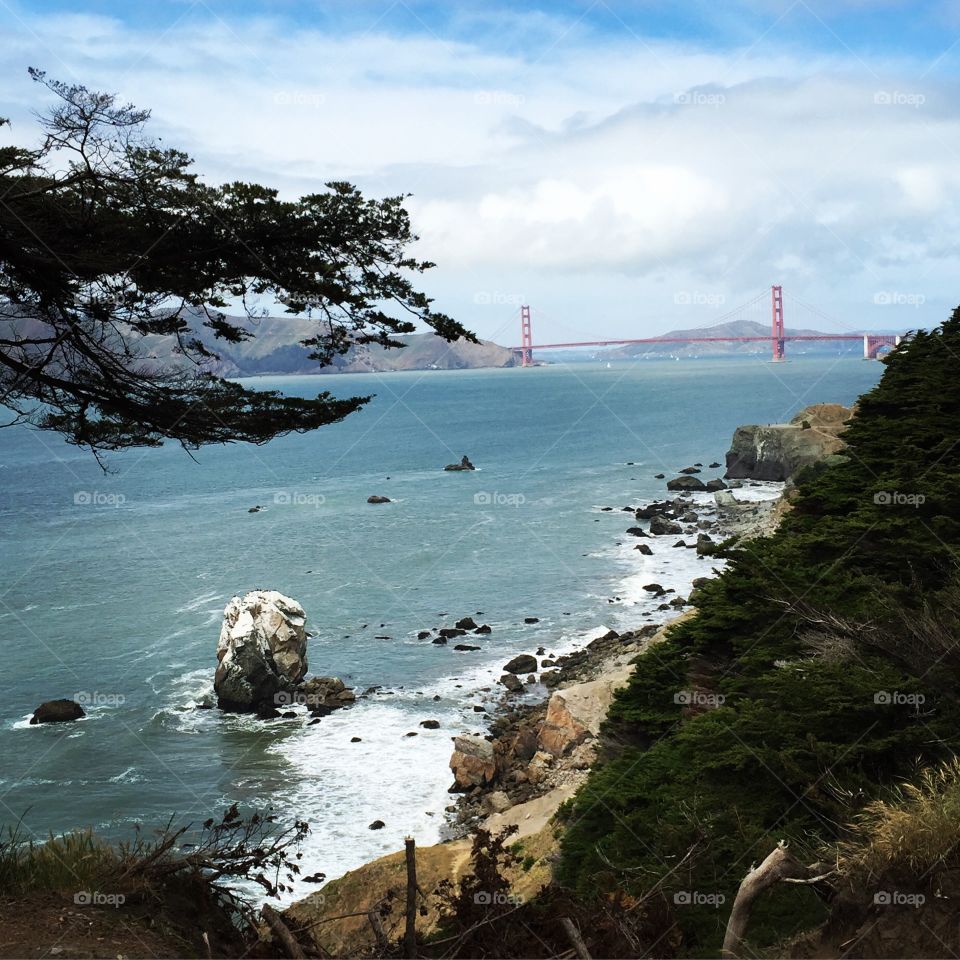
<point>450,632</point>
<point>512,682</point>
<point>690,470</point>
<point>686,483</point>
<point>660,527</point>
<point>705,544</point>
<point>561,731</point>
<point>262,649</point>
<point>496,802</point>
<point>778,451</point>
<point>465,646</point>
<point>466,623</point>
<point>57,711</point>
<point>524,663</point>
<point>644,549</point>
<point>472,763</point>
<point>464,464</point>
<point>716,484</point>
<point>430,724</point>
<point>378,499</point>
<point>483,628</point>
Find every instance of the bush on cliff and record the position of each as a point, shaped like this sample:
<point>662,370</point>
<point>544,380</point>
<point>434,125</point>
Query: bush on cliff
<point>754,721</point>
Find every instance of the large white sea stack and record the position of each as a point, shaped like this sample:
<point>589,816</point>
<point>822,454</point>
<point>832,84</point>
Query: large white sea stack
<point>262,649</point>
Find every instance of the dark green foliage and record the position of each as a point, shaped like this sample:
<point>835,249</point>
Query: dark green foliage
<point>802,736</point>
<point>107,240</point>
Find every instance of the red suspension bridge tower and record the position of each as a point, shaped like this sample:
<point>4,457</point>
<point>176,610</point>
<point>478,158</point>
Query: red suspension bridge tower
<point>526,338</point>
<point>777,334</point>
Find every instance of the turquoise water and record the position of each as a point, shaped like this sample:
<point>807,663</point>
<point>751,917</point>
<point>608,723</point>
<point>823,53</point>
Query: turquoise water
<point>114,585</point>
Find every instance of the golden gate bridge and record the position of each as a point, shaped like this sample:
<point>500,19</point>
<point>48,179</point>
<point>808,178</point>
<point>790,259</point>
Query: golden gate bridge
<point>778,337</point>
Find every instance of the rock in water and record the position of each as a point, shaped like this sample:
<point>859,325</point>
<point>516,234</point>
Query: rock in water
<point>660,527</point>
<point>378,499</point>
<point>262,649</point>
<point>57,711</point>
<point>464,464</point>
<point>686,483</point>
<point>524,663</point>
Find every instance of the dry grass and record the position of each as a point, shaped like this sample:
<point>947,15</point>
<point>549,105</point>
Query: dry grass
<point>915,834</point>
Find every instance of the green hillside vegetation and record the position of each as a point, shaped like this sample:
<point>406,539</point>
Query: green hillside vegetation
<point>826,664</point>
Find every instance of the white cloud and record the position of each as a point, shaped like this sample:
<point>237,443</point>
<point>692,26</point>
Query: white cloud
<point>594,176</point>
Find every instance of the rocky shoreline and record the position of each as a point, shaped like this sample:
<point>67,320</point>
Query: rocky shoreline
<point>544,733</point>
<point>538,745</point>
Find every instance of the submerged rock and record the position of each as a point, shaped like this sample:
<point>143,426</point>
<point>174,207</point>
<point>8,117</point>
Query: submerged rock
<point>378,499</point>
<point>57,711</point>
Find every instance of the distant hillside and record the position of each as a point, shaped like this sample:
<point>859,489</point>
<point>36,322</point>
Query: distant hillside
<point>275,349</point>
<point>735,328</point>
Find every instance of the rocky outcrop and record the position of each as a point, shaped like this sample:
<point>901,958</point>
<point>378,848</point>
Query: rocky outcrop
<point>472,763</point>
<point>778,451</point>
<point>376,498</point>
<point>561,730</point>
<point>262,650</point>
<point>57,711</point>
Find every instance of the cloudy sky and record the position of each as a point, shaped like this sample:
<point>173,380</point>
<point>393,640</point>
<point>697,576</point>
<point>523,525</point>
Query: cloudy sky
<point>623,167</point>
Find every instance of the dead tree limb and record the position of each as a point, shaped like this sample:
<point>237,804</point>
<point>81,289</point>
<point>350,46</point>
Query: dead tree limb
<point>282,932</point>
<point>779,867</point>
<point>379,934</point>
<point>573,935</point>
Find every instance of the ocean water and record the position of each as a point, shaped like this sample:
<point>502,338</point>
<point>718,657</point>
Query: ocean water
<point>112,586</point>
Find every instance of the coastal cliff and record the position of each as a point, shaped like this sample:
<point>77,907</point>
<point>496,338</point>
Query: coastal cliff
<point>778,451</point>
